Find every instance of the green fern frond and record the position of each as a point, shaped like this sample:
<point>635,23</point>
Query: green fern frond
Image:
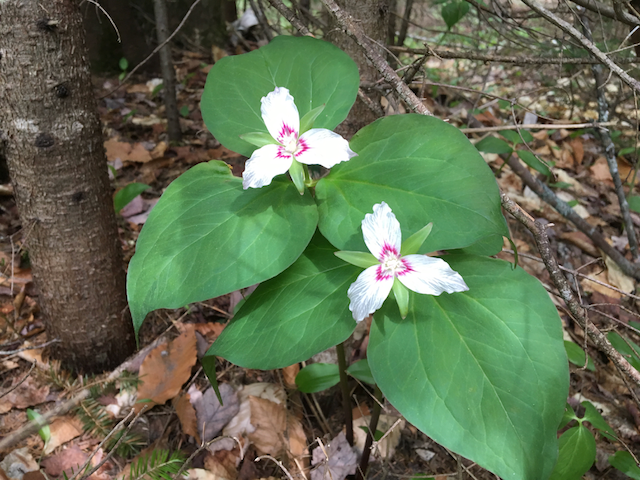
<point>95,418</point>
<point>160,465</point>
<point>131,445</point>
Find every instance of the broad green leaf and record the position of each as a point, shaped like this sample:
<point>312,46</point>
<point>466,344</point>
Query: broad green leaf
<point>494,145</point>
<point>207,237</point>
<point>593,416</point>
<point>126,194</point>
<point>290,318</point>
<point>317,377</point>
<point>315,72</point>
<point>577,452</point>
<point>515,137</point>
<point>453,12</point>
<point>534,162</point>
<point>629,349</point>
<point>427,171</point>
<point>484,372</point>
<point>634,203</point>
<point>624,462</point>
<point>361,371</point>
<point>577,356</point>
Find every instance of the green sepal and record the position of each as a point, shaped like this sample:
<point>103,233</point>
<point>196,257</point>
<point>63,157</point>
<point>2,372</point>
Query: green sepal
<point>306,122</point>
<point>412,244</point>
<point>44,431</point>
<point>297,175</point>
<point>402,297</point>
<point>259,139</point>
<point>359,259</point>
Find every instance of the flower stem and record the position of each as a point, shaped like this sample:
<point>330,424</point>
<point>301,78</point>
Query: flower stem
<point>373,425</point>
<point>346,398</point>
<point>307,178</point>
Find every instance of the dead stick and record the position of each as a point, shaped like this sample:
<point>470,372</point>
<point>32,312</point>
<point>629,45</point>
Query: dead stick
<point>561,283</point>
<point>570,214</point>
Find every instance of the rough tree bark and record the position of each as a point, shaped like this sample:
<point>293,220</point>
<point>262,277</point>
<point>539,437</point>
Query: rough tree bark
<point>373,17</point>
<point>58,168</point>
<point>168,74</point>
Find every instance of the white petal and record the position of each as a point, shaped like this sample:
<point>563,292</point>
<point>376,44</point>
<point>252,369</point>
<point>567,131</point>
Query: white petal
<point>430,275</point>
<point>381,231</point>
<point>368,292</point>
<point>264,164</point>
<point>280,114</point>
<point>320,146</point>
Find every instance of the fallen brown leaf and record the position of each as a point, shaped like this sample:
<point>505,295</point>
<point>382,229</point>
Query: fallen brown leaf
<point>289,375</point>
<point>64,461</point>
<point>27,394</point>
<point>166,369</point>
<point>63,429</point>
<point>116,149</point>
<point>581,241</point>
<point>212,417</point>
<point>187,415</point>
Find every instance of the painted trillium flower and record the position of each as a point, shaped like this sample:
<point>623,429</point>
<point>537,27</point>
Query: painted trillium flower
<point>394,266</point>
<point>287,145</point>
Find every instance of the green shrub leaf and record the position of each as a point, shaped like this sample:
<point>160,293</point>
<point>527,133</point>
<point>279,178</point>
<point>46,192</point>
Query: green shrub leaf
<point>207,237</point>
<point>484,372</point>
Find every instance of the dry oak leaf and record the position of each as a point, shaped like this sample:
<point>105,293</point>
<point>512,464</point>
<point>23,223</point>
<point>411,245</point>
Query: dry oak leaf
<point>387,446</point>
<point>166,369</point>
<point>240,425</point>
<point>117,149</point>
<point>335,461</point>
<point>289,375</point>
<point>28,394</point>
<point>139,154</point>
<point>223,464</point>
<point>276,431</point>
<point>187,415</point>
<point>64,461</point>
<point>17,463</point>
<point>63,429</point>
<point>212,416</point>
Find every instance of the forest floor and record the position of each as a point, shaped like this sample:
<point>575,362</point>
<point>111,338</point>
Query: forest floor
<point>291,426</point>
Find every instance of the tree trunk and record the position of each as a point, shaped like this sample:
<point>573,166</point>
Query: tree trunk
<point>168,74</point>
<point>373,17</point>
<point>59,172</point>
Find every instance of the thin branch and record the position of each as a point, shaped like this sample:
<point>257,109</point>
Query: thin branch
<point>538,126</point>
<point>291,17</point>
<point>31,347</point>
<point>607,11</point>
<point>570,214</point>
<point>595,51</point>
<point>483,57</point>
<point>353,29</point>
<point>610,148</point>
<point>34,425</point>
<point>561,283</point>
<point>344,387</point>
<point>155,50</point>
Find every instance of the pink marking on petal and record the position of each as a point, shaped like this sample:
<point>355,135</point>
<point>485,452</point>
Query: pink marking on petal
<point>303,146</point>
<point>389,250</point>
<point>381,274</point>
<point>286,131</point>
<point>282,153</point>
<point>406,268</point>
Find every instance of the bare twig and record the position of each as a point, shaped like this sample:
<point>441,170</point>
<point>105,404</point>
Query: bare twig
<point>22,380</point>
<point>569,213</point>
<point>291,17</point>
<point>561,283</point>
<point>484,57</point>
<point>580,38</point>
<point>609,147</point>
<point>538,126</point>
<point>32,347</point>
<point>36,424</point>
<point>607,11</point>
<point>351,28</point>
<point>155,50</point>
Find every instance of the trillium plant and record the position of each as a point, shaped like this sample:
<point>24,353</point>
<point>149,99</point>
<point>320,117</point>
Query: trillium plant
<point>467,347</point>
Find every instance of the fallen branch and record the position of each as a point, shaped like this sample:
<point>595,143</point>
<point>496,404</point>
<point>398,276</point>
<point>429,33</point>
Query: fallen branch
<point>570,214</point>
<point>483,57</point>
<point>577,311</point>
